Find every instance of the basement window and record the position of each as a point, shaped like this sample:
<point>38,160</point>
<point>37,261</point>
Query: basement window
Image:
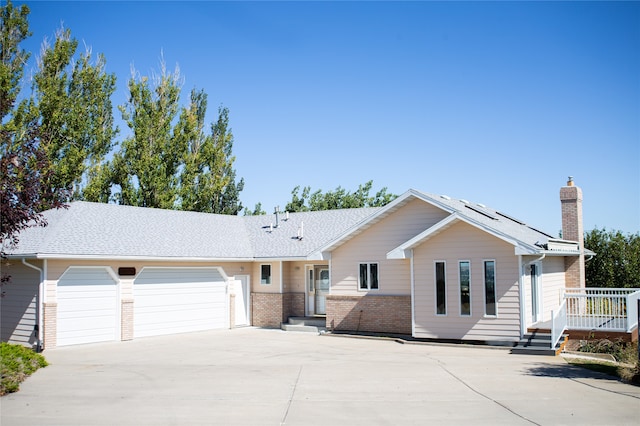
<point>265,274</point>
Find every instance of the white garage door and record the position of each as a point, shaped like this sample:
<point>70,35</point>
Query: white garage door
<point>179,300</point>
<point>87,306</point>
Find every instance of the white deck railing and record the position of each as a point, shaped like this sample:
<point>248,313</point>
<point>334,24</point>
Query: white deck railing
<point>612,309</point>
<point>558,323</point>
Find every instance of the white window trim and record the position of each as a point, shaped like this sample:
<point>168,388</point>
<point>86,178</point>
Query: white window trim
<point>368,276</point>
<point>435,288</point>
<point>495,286</point>
<point>270,273</point>
<point>470,314</point>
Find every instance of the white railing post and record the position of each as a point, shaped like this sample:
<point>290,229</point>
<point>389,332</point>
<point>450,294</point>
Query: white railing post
<point>632,310</point>
<point>558,323</point>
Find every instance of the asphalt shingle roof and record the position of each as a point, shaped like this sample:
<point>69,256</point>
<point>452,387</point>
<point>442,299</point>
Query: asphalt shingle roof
<point>110,231</point>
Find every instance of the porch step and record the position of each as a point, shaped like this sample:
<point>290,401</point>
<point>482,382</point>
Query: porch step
<point>308,324</point>
<point>536,343</point>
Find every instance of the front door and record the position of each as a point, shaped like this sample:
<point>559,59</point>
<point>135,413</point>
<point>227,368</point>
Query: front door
<point>317,281</point>
<point>535,293</point>
<point>322,289</point>
<point>242,300</point>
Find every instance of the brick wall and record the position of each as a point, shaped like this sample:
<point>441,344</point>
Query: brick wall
<point>293,305</point>
<point>383,314</point>
<point>269,310</point>
<point>573,230</point>
<point>126,319</point>
<point>50,325</point>
<point>266,310</point>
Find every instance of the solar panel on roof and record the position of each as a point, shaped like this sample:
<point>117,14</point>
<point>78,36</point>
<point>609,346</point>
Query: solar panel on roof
<point>482,212</point>
<point>519,222</point>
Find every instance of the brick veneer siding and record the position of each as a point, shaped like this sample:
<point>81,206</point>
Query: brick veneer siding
<point>50,325</point>
<point>266,310</point>
<point>573,230</point>
<point>126,319</point>
<point>293,305</point>
<point>269,310</point>
<point>382,314</point>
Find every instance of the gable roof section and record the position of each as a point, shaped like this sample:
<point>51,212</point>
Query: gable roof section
<point>525,239</point>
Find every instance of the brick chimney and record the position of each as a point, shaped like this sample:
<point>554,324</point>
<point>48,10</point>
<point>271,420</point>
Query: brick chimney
<point>573,230</point>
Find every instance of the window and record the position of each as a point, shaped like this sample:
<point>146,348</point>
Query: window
<point>464,274</point>
<point>265,274</point>
<point>441,289</point>
<point>490,287</point>
<point>368,277</point>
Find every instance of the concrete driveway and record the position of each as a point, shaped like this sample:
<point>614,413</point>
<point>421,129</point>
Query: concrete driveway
<point>268,377</point>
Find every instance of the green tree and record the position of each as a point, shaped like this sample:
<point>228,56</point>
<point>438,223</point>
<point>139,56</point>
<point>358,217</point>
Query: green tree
<point>24,166</point>
<point>208,180</point>
<point>617,260</point>
<point>340,198</point>
<point>72,96</point>
<point>147,164</point>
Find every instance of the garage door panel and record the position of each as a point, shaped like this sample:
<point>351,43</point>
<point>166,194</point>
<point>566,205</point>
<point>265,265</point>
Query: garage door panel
<point>178,300</point>
<point>87,306</point>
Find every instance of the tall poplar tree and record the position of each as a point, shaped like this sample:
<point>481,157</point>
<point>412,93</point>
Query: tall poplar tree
<point>147,165</point>
<point>24,166</point>
<point>72,96</point>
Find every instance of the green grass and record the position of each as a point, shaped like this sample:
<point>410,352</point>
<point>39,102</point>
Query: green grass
<point>16,364</point>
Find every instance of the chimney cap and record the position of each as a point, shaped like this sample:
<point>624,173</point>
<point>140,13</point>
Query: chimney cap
<point>570,181</point>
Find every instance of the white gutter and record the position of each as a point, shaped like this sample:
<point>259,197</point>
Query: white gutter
<point>39,303</point>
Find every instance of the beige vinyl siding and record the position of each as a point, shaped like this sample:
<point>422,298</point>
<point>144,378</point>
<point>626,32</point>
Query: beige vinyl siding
<point>465,242</point>
<point>373,245</point>
<point>294,276</point>
<point>552,285</point>
<point>19,306</point>
<point>274,287</point>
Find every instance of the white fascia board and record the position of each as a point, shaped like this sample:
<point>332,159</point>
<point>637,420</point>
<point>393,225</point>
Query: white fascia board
<point>403,251</point>
<point>143,258</point>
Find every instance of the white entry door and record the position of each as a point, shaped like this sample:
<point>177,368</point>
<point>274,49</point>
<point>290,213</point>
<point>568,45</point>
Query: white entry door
<point>322,289</point>
<point>179,300</point>
<point>536,305</point>
<point>242,300</point>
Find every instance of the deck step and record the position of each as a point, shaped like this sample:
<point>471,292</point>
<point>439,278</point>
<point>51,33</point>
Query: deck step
<point>539,344</point>
<point>306,324</point>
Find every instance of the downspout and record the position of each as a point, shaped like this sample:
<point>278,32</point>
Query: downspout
<point>39,305</point>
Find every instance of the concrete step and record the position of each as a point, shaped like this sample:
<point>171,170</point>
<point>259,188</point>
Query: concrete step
<point>538,344</point>
<point>307,324</point>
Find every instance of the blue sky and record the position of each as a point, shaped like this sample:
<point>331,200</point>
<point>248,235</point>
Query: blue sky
<point>493,102</point>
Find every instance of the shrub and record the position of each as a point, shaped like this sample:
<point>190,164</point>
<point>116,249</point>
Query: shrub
<point>623,352</point>
<point>16,364</point>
